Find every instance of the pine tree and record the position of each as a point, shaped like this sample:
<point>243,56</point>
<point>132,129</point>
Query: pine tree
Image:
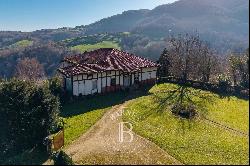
<point>165,64</point>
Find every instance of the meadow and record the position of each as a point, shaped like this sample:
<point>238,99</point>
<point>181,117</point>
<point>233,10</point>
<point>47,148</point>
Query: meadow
<point>193,141</point>
<point>22,44</point>
<point>90,47</point>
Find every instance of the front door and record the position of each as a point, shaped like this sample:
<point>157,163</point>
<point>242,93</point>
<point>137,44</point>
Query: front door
<point>136,80</point>
<point>127,80</point>
<point>81,87</point>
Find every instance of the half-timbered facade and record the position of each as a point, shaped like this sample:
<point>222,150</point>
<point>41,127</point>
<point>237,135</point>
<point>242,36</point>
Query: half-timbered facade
<point>105,70</point>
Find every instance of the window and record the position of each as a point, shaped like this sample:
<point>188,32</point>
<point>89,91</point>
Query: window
<point>79,77</point>
<point>149,75</point>
<point>108,72</point>
<point>113,82</point>
<point>74,78</point>
<point>89,76</point>
<point>94,84</point>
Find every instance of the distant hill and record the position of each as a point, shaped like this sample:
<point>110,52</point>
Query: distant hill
<point>227,16</point>
<point>223,23</point>
<point>124,22</point>
<point>92,42</point>
<point>218,21</point>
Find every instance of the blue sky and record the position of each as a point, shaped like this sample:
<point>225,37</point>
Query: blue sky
<point>29,15</point>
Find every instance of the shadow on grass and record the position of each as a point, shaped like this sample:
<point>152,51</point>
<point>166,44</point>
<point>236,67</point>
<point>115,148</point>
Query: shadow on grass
<point>90,103</point>
<point>229,96</point>
<point>191,102</point>
<point>214,88</point>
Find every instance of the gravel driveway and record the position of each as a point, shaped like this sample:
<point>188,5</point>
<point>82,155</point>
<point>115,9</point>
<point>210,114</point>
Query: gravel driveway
<point>101,145</point>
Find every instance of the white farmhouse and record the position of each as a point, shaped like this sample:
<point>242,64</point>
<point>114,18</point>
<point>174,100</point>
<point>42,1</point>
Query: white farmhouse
<point>105,70</point>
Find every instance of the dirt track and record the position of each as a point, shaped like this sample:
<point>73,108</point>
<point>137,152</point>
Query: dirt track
<point>100,145</point>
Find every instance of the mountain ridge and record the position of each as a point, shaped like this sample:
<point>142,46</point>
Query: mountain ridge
<point>179,10</point>
<point>224,23</point>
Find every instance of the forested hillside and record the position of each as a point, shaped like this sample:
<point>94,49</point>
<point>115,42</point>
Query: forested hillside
<point>223,24</point>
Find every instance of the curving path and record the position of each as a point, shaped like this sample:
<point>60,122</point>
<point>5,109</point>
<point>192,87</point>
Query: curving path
<point>100,145</point>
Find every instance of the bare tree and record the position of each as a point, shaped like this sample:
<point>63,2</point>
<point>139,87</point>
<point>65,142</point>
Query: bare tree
<point>29,69</point>
<point>239,68</point>
<point>206,62</point>
<point>188,58</point>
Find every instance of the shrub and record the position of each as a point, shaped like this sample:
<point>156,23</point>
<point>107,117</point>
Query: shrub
<point>196,85</point>
<point>224,82</point>
<point>61,158</point>
<point>245,93</point>
<point>55,85</point>
<point>184,111</point>
<point>30,114</point>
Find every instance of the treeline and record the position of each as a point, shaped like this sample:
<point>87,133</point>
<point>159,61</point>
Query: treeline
<point>37,60</point>
<point>41,59</point>
<point>202,61</point>
<point>189,58</point>
<point>143,46</point>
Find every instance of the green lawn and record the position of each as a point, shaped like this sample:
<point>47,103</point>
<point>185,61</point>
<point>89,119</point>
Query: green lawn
<point>89,47</point>
<point>78,125</point>
<point>232,112</point>
<point>193,141</point>
<point>81,115</point>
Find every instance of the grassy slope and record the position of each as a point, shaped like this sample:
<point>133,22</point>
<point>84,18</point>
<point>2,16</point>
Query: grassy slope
<point>90,47</point>
<point>235,113</point>
<point>22,44</point>
<point>81,115</point>
<point>192,141</point>
<point>78,125</point>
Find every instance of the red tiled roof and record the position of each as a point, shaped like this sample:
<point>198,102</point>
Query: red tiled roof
<point>104,59</point>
